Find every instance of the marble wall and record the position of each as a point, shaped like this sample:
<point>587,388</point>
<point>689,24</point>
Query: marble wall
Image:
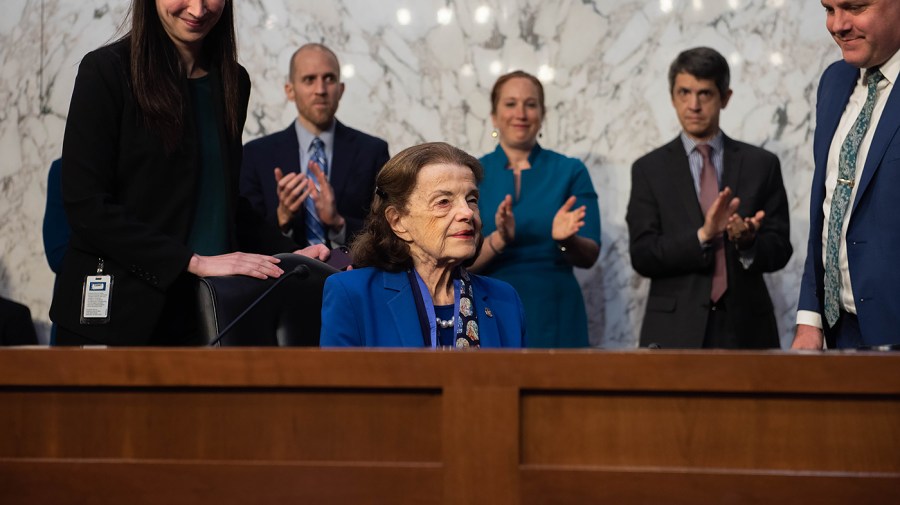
<point>421,70</point>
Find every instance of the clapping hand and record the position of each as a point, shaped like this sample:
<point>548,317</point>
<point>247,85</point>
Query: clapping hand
<point>293,189</point>
<point>742,231</point>
<point>323,196</point>
<point>568,221</point>
<point>717,215</point>
<point>505,222</point>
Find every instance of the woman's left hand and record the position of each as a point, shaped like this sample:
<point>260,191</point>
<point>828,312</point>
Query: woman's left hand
<point>568,221</point>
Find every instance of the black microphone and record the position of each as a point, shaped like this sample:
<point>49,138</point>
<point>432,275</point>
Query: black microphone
<point>300,270</point>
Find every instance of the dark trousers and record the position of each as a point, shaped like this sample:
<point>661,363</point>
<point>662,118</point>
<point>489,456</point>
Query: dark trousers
<point>66,338</point>
<point>846,334</point>
<point>720,332</point>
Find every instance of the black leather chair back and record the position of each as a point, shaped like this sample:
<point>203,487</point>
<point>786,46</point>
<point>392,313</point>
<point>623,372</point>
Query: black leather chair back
<point>290,314</point>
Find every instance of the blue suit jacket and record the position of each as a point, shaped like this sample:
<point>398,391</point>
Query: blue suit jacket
<point>369,307</point>
<point>356,161</point>
<point>873,233</point>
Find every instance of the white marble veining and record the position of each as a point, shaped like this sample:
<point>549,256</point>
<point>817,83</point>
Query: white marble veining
<point>422,71</point>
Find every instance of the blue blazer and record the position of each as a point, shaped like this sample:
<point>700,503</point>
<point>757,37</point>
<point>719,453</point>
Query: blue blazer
<point>873,233</point>
<point>356,161</point>
<point>368,307</point>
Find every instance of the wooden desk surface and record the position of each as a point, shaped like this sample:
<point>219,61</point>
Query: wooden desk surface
<point>382,426</point>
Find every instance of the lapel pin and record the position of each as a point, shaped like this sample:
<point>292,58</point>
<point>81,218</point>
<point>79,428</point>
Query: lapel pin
<point>487,312</point>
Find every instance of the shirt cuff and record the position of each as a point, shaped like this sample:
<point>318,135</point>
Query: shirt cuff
<point>703,245</point>
<point>747,255</point>
<point>809,318</point>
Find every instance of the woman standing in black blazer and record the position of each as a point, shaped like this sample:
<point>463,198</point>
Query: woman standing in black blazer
<point>151,156</point>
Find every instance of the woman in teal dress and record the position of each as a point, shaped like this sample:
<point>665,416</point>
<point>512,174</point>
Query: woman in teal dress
<point>546,217</point>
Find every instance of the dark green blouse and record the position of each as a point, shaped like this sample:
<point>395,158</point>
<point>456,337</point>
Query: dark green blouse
<point>209,232</point>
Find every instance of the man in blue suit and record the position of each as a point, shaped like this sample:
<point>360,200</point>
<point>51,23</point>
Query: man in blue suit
<point>848,297</point>
<point>315,179</point>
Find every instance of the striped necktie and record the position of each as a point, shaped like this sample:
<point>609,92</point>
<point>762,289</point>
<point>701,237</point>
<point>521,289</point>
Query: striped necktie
<point>840,199</point>
<point>315,230</point>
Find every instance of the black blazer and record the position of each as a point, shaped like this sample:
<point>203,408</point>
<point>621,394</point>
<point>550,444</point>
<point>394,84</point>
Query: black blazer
<point>357,159</point>
<point>16,327</point>
<point>663,217</point>
<point>132,205</point>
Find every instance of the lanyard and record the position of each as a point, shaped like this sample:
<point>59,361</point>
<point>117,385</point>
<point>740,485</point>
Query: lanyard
<point>428,304</point>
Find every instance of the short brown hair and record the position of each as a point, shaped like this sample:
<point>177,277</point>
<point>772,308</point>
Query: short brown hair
<point>503,79</point>
<point>377,245</point>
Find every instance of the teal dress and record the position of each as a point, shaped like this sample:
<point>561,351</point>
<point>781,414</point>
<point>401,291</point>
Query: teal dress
<point>554,308</point>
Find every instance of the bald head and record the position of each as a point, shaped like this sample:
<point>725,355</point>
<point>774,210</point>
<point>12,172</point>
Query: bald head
<point>307,49</point>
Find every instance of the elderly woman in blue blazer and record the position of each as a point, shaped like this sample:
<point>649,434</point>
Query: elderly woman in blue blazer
<point>410,287</point>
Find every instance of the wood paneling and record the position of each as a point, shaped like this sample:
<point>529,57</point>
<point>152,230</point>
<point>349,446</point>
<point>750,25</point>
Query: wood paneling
<point>228,424</point>
<point>712,431</point>
<point>98,482</point>
<point>653,486</point>
<point>221,426</point>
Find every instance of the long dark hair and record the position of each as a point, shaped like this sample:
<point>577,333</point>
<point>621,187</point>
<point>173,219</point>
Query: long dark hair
<point>377,245</point>
<point>157,74</point>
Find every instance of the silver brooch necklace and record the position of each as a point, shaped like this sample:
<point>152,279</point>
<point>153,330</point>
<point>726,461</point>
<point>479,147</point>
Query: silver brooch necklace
<point>445,323</point>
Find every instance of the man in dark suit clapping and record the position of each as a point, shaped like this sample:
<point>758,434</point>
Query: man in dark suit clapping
<point>707,216</point>
<point>316,178</point>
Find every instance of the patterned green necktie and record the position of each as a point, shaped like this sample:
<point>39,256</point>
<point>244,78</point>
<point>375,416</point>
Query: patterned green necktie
<point>840,199</point>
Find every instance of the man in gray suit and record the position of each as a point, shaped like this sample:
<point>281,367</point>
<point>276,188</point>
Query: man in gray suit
<point>707,216</point>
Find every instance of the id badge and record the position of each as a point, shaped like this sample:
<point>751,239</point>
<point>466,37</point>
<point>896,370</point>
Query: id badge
<point>95,299</point>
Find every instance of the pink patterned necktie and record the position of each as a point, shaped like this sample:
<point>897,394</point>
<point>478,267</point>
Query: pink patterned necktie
<point>709,191</point>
